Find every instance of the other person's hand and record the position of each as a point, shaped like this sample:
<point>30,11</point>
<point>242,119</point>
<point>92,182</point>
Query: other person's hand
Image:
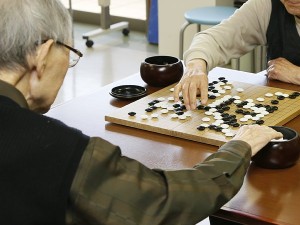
<point>257,136</point>
<point>283,70</point>
<point>193,82</point>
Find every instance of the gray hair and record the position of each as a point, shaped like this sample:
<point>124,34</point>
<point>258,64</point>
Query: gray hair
<point>24,23</point>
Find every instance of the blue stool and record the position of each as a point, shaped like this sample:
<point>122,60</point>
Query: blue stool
<point>204,16</point>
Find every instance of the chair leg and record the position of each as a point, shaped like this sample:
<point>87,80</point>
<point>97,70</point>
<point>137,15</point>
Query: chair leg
<point>181,39</point>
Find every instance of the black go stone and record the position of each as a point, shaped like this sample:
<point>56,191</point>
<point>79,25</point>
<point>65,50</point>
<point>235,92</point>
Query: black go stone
<point>212,127</point>
<point>215,91</point>
<point>219,129</point>
<point>274,108</point>
<point>201,128</point>
<point>260,122</point>
<point>280,97</point>
<point>215,82</point>
<point>239,111</point>
<point>176,105</point>
<point>292,96</point>
<point>148,110</point>
<point>206,108</point>
<point>210,84</point>
<point>296,93</point>
<point>200,107</point>
<point>246,113</point>
<point>132,113</point>
<point>274,102</point>
<point>226,108</point>
<point>259,105</point>
<point>236,125</point>
<point>212,97</point>
<point>179,113</point>
<point>225,115</point>
<point>221,78</point>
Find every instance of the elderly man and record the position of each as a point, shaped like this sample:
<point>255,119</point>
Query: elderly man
<point>275,23</point>
<point>49,169</point>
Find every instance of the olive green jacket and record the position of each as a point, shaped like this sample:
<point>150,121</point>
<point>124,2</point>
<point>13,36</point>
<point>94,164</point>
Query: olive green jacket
<point>113,189</point>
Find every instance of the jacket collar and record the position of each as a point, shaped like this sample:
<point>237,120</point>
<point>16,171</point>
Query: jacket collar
<point>14,94</point>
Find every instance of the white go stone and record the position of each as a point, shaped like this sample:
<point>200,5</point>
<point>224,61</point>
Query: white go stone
<point>161,99</point>
<point>269,95</point>
<point>171,89</point>
<point>285,95</point>
<point>243,119</point>
<point>227,87</point>
<point>226,131</point>
<point>229,134</point>
<point>222,91</point>
<point>250,104</point>
<point>260,115</point>
<point>164,111</point>
<point>171,99</point>
<point>205,119</point>
<point>260,99</point>
<point>170,108</point>
<point>182,117</point>
<point>239,89</point>
<point>144,117</point>
<point>204,125</point>
<point>278,93</point>
<point>188,114</point>
<point>224,126</point>
<point>249,100</point>
<point>208,113</point>
<point>218,117</point>
<point>154,115</point>
<point>219,121</point>
<point>174,116</point>
<point>248,116</point>
<point>236,97</point>
<point>255,118</point>
<point>237,101</point>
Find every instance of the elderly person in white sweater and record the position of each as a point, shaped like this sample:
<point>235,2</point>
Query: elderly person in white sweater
<point>275,23</point>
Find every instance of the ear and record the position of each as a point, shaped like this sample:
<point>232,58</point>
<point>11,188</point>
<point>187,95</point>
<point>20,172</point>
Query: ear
<point>42,55</point>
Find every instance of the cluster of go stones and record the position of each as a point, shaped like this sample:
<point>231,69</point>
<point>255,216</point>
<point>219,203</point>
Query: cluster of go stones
<point>217,115</point>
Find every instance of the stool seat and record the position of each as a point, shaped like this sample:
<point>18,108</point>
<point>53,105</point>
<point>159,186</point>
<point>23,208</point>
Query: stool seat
<point>209,15</point>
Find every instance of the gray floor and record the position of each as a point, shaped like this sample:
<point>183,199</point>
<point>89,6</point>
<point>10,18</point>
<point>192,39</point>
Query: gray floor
<point>112,57</point>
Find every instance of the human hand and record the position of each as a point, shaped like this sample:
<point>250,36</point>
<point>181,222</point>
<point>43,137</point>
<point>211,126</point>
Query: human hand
<point>193,82</point>
<point>257,136</point>
<point>283,70</point>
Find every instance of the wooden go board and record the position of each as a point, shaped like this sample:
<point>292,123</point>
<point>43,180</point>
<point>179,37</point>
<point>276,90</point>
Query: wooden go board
<point>160,120</point>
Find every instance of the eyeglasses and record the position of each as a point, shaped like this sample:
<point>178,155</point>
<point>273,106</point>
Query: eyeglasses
<point>75,54</point>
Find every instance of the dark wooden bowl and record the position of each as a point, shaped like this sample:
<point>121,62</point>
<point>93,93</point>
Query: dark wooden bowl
<point>279,154</point>
<point>161,71</point>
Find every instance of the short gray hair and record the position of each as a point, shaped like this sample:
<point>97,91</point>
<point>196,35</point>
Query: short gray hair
<point>24,23</point>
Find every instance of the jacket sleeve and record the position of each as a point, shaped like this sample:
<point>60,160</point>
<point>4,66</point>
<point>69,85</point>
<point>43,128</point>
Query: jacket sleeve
<point>113,189</point>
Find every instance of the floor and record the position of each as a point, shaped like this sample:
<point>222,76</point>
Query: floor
<point>112,57</point>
